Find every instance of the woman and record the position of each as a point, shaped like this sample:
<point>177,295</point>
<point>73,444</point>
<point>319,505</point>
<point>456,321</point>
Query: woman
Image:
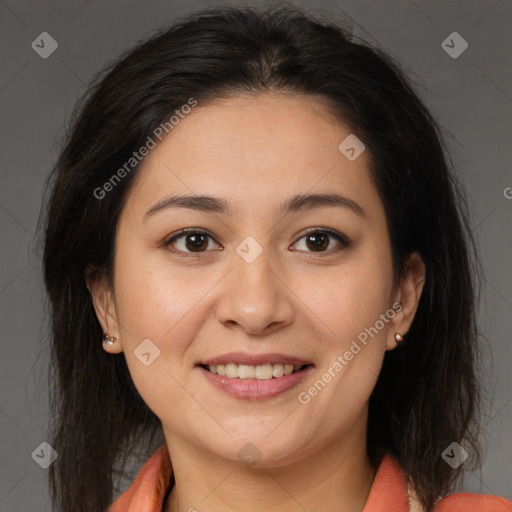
<point>256,249</point>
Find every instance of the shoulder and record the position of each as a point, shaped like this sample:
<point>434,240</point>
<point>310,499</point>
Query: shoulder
<point>467,502</point>
<point>148,490</point>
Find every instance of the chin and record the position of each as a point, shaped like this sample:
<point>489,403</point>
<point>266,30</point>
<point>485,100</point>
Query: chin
<point>258,448</point>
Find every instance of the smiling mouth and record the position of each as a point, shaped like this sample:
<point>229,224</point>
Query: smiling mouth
<point>254,372</point>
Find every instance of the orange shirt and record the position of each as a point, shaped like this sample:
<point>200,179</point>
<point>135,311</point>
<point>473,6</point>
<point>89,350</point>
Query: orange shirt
<point>388,492</point>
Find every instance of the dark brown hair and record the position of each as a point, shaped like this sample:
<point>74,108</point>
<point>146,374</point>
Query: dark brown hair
<point>426,396</point>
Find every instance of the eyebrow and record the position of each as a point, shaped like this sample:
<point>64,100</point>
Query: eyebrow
<point>295,203</point>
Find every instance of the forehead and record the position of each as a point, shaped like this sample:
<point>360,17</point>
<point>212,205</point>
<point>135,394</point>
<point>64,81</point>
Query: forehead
<point>277,127</point>
<point>255,148</point>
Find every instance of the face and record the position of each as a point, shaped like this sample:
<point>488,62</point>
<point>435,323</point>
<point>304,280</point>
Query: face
<point>300,282</point>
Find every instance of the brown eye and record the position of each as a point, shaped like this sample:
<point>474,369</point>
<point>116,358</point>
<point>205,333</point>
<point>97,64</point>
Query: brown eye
<point>191,241</point>
<point>319,240</point>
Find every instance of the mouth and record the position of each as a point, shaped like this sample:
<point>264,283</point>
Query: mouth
<point>261,380</point>
<point>255,372</point>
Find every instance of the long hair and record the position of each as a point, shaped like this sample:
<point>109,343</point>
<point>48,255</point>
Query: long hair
<point>426,396</point>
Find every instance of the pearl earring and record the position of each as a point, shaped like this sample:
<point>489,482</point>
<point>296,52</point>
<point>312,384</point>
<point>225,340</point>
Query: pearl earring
<point>398,337</point>
<point>109,340</point>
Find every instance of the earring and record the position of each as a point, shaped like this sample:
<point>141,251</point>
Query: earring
<point>398,337</point>
<point>109,340</point>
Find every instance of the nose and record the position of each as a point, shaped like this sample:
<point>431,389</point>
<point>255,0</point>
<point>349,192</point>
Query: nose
<point>255,297</point>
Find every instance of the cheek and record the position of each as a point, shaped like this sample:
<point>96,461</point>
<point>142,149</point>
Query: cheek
<point>157,312</point>
<point>347,299</point>
<point>152,296</point>
<point>352,348</point>
<point>166,305</point>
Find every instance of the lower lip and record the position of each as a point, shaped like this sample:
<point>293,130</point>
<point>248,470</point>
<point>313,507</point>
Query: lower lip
<point>253,389</point>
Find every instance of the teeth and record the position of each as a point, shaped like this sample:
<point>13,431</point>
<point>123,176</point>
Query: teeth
<point>278,370</point>
<point>290,368</point>
<point>244,371</point>
<point>247,371</point>
<point>263,372</point>
<point>231,370</point>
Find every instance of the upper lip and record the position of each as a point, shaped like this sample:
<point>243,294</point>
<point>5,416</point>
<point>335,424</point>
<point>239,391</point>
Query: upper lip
<point>254,359</point>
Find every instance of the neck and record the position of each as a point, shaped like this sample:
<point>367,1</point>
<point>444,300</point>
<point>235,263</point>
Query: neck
<point>337,476</point>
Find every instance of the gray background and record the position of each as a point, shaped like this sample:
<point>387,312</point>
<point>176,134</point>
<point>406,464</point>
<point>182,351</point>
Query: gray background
<point>471,96</point>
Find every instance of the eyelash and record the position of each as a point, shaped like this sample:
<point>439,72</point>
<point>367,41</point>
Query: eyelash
<point>344,241</point>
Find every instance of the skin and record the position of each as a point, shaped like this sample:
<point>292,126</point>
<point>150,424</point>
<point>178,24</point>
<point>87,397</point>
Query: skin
<point>255,152</point>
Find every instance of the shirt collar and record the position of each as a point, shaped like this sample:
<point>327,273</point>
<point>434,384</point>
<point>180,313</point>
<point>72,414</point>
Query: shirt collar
<point>148,490</point>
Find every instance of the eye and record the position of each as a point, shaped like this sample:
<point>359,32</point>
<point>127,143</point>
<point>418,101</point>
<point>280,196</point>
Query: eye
<point>317,239</point>
<point>191,240</point>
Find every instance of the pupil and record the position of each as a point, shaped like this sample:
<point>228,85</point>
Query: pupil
<point>195,239</point>
<point>322,244</point>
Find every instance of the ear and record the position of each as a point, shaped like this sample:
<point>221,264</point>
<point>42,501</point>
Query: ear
<point>408,296</point>
<point>104,306</point>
